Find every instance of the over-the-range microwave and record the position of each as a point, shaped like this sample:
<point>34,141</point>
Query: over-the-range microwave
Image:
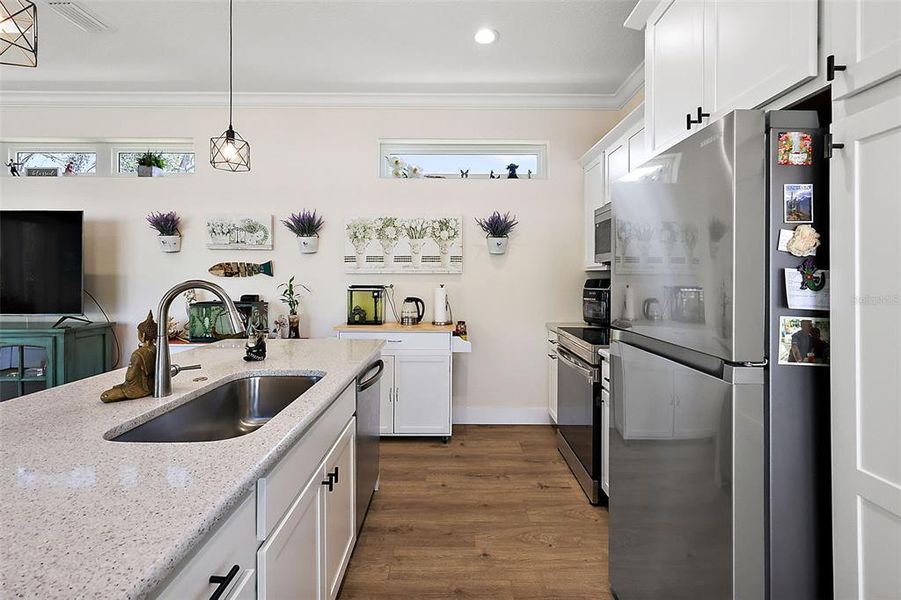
<point>603,234</point>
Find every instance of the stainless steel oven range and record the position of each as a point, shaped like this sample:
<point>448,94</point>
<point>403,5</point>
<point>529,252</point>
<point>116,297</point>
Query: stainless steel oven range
<point>581,398</point>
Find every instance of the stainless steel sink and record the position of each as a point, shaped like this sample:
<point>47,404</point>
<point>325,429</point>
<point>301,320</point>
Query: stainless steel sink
<point>231,410</point>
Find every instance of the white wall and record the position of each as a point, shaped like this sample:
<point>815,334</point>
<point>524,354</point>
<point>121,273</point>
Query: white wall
<point>327,159</point>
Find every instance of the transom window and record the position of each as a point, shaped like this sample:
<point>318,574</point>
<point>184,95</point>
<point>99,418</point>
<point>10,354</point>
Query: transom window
<point>462,159</point>
<point>57,162</point>
<point>176,161</point>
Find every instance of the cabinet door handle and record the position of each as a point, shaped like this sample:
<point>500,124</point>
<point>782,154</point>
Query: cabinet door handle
<point>552,356</point>
<point>329,483</point>
<point>701,115</point>
<point>688,121</point>
<point>831,67</point>
<point>223,581</point>
<point>334,476</point>
<point>390,394</point>
<point>396,394</point>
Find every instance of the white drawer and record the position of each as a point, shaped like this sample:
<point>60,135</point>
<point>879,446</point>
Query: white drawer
<point>278,489</point>
<point>402,340</point>
<point>605,373</point>
<point>233,543</point>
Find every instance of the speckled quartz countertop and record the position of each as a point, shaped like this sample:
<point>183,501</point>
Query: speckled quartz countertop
<point>83,517</point>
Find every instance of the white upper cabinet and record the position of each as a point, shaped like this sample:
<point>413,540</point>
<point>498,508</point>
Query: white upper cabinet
<point>637,149</point>
<point>674,70</point>
<point>617,163</point>
<point>755,50</point>
<point>705,58</point>
<point>866,41</point>
<point>594,197</point>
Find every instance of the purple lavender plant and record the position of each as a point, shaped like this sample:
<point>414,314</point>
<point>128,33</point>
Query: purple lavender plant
<point>305,224</point>
<point>164,223</point>
<point>498,225</point>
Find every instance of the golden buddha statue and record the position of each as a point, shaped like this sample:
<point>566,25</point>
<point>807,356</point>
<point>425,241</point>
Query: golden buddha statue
<point>139,376</point>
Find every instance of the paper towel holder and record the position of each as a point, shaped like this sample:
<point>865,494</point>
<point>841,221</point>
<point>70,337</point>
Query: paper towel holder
<point>448,312</point>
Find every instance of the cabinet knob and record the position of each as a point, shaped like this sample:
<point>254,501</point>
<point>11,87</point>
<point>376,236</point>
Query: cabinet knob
<point>831,67</point>
<point>223,581</point>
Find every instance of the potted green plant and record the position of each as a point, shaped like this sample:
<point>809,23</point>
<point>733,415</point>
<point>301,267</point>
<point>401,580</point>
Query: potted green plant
<point>291,297</point>
<point>151,164</point>
<point>497,227</point>
<point>166,225</point>
<point>305,226</point>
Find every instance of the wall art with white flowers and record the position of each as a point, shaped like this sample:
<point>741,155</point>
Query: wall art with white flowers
<point>239,232</point>
<point>390,244</point>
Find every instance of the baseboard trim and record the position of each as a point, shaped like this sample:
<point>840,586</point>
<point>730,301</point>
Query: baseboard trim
<point>495,415</point>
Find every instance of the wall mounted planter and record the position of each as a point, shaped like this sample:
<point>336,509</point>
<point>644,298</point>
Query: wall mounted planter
<point>497,245</point>
<point>170,243</point>
<point>308,245</point>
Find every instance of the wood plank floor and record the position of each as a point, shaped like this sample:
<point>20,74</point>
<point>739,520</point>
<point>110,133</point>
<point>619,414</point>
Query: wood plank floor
<point>494,514</point>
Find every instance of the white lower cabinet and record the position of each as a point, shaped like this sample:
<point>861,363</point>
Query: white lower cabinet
<point>340,524</point>
<point>290,562</point>
<point>421,391</point>
<point>229,551</point>
<point>605,441</point>
<point>306,554</point>
<point>386,399</point>
<point>552,375</point>
<point>290,539</point>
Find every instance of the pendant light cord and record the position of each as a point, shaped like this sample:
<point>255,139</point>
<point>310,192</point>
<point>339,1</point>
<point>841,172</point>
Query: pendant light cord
<point>230,67</point>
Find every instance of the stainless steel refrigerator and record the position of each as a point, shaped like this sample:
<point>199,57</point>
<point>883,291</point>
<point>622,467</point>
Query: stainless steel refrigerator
<point>719,434</point>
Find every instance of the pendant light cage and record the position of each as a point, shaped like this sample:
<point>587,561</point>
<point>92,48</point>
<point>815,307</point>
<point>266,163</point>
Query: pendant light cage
<point>229,151</point>
<point>18,33</point>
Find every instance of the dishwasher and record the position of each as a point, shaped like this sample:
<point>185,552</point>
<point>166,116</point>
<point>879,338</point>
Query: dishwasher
<point>367,445</point>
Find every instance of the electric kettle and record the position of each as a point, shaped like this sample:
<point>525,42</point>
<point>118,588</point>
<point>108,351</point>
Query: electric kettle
<point>651,309</point>
<point>412,311</point>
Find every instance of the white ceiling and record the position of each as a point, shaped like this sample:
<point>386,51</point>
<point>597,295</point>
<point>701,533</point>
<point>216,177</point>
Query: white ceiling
<point>546,48</point>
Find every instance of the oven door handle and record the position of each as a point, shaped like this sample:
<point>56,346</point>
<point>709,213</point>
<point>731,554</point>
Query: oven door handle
<point>566,357</point>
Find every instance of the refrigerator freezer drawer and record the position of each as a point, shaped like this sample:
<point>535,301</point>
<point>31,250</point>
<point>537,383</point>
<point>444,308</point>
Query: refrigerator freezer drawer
<point>687,474</point>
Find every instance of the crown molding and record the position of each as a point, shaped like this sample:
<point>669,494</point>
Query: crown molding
<point>615,101</point>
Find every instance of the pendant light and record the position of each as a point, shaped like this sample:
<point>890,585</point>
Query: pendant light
<point>18,33</point>
<point>229,151</point>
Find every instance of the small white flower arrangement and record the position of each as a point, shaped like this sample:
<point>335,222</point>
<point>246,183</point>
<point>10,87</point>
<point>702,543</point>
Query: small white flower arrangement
<point>387,230</point>
<point>445,231</point>
<point>401,170</point>
<point>360,232</point>
<point>417,229</point>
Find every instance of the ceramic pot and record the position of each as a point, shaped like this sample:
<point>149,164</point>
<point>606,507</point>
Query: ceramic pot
<point>497,245</point>
<point>308,245</point>
<point>149,171</point>
<point>293,327</point>
<point>416,252</point>
<point>170,243</point>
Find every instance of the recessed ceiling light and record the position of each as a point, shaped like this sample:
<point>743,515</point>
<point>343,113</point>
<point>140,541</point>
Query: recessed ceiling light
<point>486,36</point>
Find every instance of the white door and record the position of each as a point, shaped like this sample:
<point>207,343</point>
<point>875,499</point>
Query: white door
<point>386,400</point>
<point>422,394</point>
<point>617,164</point>
<point>674,70</point>
<point>866,39</point>
<point>605,441</point>
<point>552,381</point>
<point>638,150</point>
<point>340,524</point>
<point>756,51</point>
<point>289,563</point>
<point>594,197</point>
<point>245,588</point>
<point>866,357</point>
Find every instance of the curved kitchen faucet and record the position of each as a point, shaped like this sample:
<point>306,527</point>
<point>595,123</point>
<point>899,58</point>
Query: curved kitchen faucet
<point>162,377</point>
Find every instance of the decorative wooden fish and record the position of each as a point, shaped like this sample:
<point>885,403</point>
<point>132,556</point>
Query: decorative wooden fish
<point>241,269</point>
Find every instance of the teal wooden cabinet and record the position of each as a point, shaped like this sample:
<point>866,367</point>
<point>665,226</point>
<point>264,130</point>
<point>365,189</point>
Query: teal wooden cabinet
<point>35,356</point>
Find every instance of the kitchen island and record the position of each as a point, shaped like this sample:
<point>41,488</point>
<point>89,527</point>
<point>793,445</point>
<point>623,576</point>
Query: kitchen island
<point>82,516</point>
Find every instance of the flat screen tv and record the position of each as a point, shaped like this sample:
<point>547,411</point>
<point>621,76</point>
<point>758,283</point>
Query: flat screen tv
<point>41,262</point>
